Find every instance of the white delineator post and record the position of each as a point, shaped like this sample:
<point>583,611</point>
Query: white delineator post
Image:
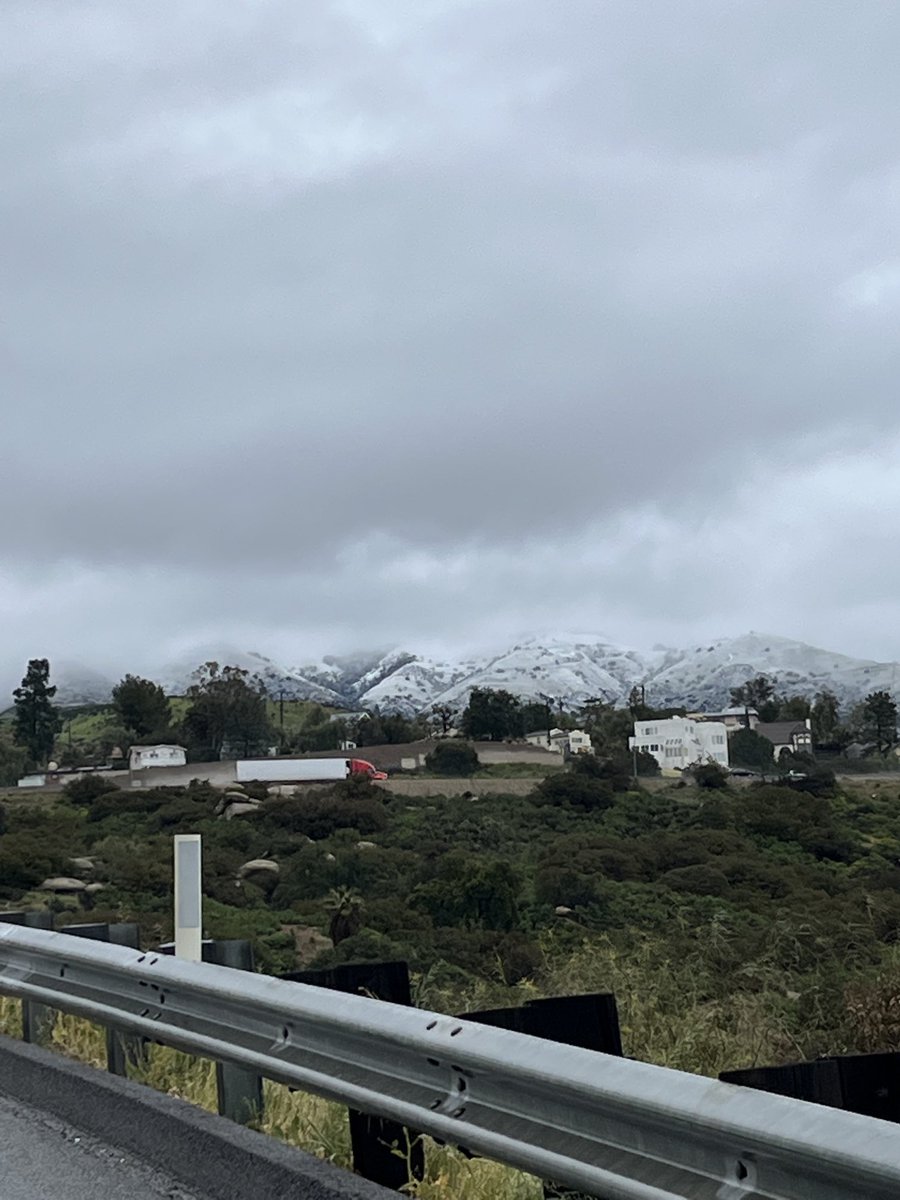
<point>188,897</point>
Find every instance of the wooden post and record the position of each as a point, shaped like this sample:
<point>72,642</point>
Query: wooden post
<point>239,1089</point>
<point>121,1047</point>
<point>860,1083</point>
<point>590,1021</point>
<point>375,1140</point>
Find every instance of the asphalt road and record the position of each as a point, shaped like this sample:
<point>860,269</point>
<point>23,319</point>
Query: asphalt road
<point>42,1157</point>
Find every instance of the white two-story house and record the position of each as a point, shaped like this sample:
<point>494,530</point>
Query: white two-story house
<point>679,742</point>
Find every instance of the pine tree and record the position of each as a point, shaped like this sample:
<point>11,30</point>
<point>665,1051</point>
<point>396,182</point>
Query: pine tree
<point>37,720</point>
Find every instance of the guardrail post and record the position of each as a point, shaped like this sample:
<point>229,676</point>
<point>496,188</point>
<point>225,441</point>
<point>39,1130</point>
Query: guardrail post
<point>590,1021</point>
<point>37,1019</point>
<point>860,1083</point>
<point>121,1048</point>
<point>239,1089</point>
<point>383,1151</point>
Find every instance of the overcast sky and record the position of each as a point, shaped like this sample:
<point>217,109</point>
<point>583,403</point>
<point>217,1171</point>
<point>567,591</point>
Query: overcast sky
<point>345,324</point>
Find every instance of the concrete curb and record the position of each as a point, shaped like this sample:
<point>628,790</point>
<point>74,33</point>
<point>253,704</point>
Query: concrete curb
<point>205,1152</point>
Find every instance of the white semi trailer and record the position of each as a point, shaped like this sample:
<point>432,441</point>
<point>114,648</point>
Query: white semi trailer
<point>303,770</point>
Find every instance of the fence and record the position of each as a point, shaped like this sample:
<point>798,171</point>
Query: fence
<point>613,1128</point>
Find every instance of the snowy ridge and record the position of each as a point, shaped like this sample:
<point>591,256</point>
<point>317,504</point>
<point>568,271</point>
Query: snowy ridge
<point>569,668</point>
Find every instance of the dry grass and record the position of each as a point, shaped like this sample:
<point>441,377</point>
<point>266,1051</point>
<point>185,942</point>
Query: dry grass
<point>317,1126</point>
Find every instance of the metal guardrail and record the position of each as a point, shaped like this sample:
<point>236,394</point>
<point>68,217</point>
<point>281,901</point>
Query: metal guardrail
<point>617,1129</point>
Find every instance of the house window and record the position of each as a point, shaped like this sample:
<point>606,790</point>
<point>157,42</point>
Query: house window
<point>654,747</point>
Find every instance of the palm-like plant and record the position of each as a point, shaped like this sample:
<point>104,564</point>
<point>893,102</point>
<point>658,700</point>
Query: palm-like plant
<point>345,908</point>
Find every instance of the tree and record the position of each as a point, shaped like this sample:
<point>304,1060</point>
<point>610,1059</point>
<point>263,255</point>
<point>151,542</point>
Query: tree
<point>37,720</point>
<point>645,765</point>
<point>746,748</point>
<point>637,703</point>
<point>609,727</point>
<point>12,764</point>
<point>825,717</point>
<point>442,716</point>
<point>756,693</point>
<point>793,708</point>
<point>228,706</point>
<point>141,705</point>
<point>880,720</point>
<point>390,729</point>
<point>492,713</point>
<point>537,717</point>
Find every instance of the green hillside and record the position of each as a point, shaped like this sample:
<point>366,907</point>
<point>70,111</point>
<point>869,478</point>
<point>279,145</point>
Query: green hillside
<point>736,927</point>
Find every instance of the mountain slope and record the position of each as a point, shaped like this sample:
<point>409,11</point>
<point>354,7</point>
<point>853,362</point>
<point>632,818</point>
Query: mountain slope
<point>568,668</point>
<point>702,677</point>
<point>177,677</point>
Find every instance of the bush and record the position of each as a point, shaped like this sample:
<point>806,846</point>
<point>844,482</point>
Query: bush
<point>453,758</point>
<point>646,765</point>
<point>710,775</point>
<point>26,859</point>
<point>614,770</point>
<point>88,788</point>
<point>319,816</point>
<point>577,791</point>
<point>701,878</point>
<point>819,781</point>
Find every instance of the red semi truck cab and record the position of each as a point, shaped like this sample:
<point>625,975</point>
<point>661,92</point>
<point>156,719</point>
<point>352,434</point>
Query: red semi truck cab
<point>359,766</point>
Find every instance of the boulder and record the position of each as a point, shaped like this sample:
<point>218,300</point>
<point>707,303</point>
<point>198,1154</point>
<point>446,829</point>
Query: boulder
<point>62,883</point>
<point>237,809</point>
<point>259,866</point>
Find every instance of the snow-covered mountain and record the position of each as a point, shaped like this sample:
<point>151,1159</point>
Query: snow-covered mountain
<point>574,668</point>
<point>177,677</point>
<point>569,668</point>
<point>703,676</point>
<point>77,684</point>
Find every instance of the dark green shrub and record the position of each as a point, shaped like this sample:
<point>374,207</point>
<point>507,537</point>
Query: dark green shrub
<point>519,958</point>
<point>710,775</point>
<point>89,788</point>
<point>818,781</point>
<point>320,815</point>
<point>575,790</point>
<point>563,885</point>
<point>646,765</point>
<point>453,758</point>
<point>701,878</point>
<point>614,770</point>
<point>365,946</point>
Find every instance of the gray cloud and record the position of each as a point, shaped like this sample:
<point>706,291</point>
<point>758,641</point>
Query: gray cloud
<point>350,323</point>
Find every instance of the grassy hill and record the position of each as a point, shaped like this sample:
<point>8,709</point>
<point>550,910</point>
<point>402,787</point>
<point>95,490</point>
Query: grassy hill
<point>736,927</point>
